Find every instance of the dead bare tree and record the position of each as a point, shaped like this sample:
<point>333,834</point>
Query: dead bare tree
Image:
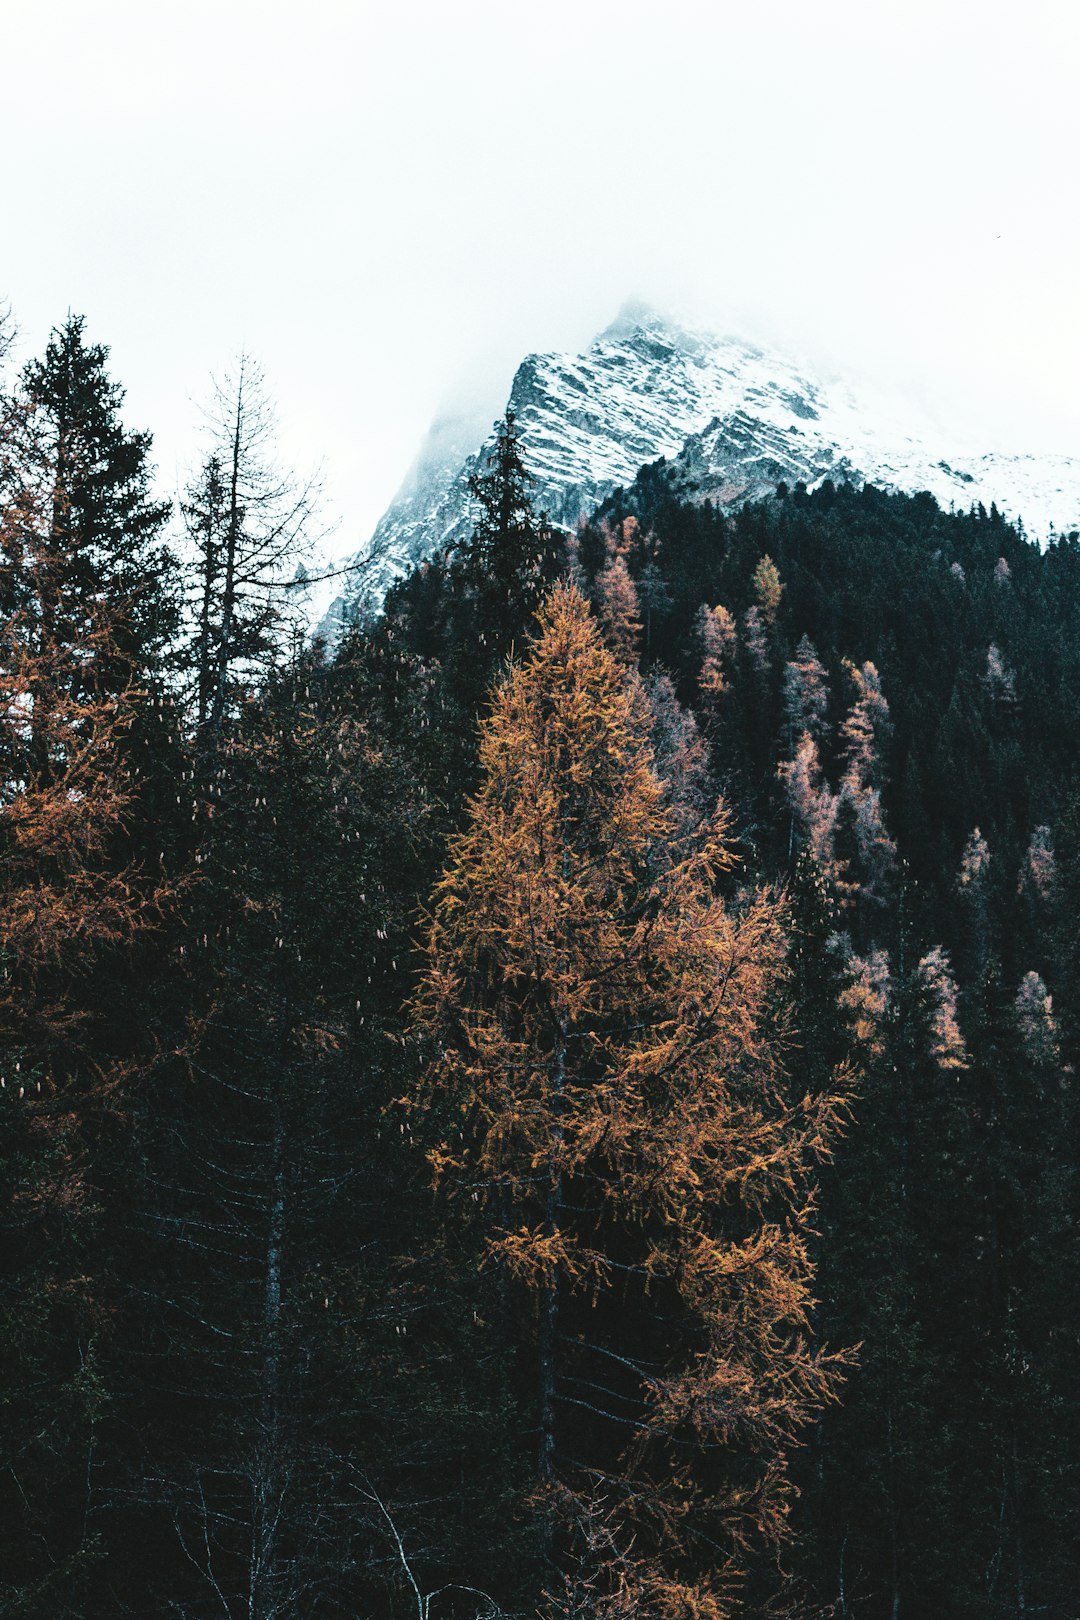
<point>251,526</point>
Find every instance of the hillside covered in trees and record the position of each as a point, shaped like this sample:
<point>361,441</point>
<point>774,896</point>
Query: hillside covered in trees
<point>561,1104</point>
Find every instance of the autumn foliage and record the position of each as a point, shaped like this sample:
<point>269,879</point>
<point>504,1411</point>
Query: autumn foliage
<point>418,1096</point>
<point>609,1096</point>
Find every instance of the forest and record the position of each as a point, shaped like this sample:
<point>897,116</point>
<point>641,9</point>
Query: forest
<point>559,1102</point>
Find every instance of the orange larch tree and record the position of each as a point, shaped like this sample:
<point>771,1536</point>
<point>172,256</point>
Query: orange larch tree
<point>617,596</point>
<point>608,1097</point>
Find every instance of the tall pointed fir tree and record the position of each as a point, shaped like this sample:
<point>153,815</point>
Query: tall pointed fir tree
<point>86,610</point>
<point>509,557</point>
<point>104,527</point>
<point>609,1100</point>
<point>451,623</point>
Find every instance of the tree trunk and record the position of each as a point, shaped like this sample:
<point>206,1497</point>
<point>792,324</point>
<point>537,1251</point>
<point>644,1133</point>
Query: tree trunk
<point>894,1536</point>
<point>549,1298</point>
<point>228,594</point>
<point>269,1483</point>
<point>1021,1586</point>
<point>207,653</point>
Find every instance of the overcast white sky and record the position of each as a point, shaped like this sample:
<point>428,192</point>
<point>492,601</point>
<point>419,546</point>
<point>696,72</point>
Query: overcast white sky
<point>390,203</point>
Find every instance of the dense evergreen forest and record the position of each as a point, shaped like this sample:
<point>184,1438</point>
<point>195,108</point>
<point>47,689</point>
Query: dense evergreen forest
<point>560,1104</point>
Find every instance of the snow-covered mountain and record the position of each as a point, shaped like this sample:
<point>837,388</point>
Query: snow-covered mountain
<point>735,418</point>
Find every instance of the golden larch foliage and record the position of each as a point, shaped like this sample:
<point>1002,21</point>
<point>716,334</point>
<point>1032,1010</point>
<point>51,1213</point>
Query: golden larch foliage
<point>608,1095</point>
<point>767,589</point>
<point>619,607</point>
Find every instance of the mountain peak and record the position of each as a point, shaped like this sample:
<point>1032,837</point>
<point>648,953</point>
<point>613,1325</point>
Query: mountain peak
<point>637,320</point>
<point>733,419</point>
<point>634,315</point>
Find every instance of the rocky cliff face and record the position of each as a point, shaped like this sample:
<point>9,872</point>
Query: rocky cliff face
<point>736,420</point>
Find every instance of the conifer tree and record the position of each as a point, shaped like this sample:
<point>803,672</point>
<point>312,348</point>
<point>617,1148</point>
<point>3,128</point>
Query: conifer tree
<point>81,617</point>
<point>806,692</point>
<point>756,639</point>
<point>869,851</point>
<point>653,594</point>
<point>618,604</point>
<point>102,534</point>
<point>813,806</point>
<point>509,557</point>
<point>97,556</point>
<point>767,589</point>
<point>610,1096</point>
<point>719,643</point>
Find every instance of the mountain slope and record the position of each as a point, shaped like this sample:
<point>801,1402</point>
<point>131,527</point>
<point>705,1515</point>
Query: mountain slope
<point>736,418</point>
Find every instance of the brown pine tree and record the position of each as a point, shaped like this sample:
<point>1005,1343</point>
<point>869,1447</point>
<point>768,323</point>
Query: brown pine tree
<point>609,1098</point>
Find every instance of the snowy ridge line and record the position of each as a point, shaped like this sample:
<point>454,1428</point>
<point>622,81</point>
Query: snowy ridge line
<point>733,418</point>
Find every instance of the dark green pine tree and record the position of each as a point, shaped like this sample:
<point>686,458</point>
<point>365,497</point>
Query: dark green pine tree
<point>205,513</point>
<point>448,627</point>
<point>87,832</point>
<point>307,1355</point>
<point>106,529</point>
<point>512,553</point>
<point>99,545</point>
